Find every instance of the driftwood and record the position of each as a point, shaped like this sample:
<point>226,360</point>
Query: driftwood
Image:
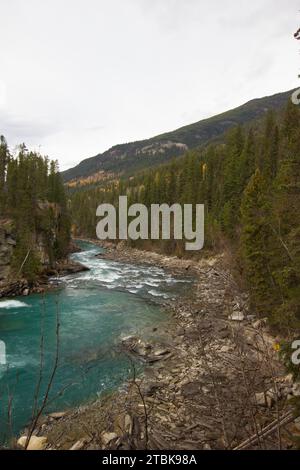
<point>266,431</point>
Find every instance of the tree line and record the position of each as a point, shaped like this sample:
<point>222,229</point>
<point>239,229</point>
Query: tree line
<point>32,196</point>
<point>250,186</point>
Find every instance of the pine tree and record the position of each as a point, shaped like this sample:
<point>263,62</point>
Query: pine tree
<point>4,159</point>
<point>287,228</point>
<point>255,242</point>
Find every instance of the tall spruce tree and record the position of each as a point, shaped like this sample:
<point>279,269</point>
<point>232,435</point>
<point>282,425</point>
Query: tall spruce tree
<point>255,241</point>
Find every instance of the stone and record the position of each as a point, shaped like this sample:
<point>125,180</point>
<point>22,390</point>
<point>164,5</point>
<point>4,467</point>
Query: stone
<point>225,349</point>
<point>273,394</point>
<point>267,399</point>
<point>161,352</point>
<point>191,389</point>
<point>297,423</point>
<point>296,389</point>
<point>128,424</point>
<point>78,445</point>
<point>237,316</point>
<point>206,447</point>
<point>58,415</point>
<point>11,241</point>
<point>35,442</point>
<point>285,391</point>
<point>151,388</point>
<point>107,437</point>
<point>236,307</point>
<point>258,324</point>
<point>251,317</point>
<point>25,292</point>
<point>224,334</point>
<point>288,379</point>
<point>260,399</point>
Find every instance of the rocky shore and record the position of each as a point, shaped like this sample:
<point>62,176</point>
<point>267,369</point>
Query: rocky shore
<point>214,382</point>
<point>12,288</point>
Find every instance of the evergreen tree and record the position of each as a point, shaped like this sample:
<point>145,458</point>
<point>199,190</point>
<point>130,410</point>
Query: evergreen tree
<point>4,159</point>
<point>255,242</point>
<point>32,194</point>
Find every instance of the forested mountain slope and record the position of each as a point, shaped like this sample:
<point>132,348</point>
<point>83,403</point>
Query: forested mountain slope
<point>130,157</point>
<point>34,219</point>
<point>250,186</point>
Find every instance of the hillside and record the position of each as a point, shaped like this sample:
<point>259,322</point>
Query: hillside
<point>34,221</point>
<point>129,157</point>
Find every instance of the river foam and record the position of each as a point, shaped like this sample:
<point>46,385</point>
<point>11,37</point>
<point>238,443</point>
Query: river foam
<point>7,304</point>
<point>145,281</point>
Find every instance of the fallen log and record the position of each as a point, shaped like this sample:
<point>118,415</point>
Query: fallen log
<point>266,431</point>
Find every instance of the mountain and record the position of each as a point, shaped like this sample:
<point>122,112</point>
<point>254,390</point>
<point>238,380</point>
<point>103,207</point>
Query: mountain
<point>130,157</point>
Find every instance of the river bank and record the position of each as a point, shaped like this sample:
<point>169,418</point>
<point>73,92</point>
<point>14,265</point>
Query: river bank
<point>22,287</point>
<point>215,383</point>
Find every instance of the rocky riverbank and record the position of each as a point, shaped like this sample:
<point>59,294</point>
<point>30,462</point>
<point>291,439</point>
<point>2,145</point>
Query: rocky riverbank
<point>214,382</point>
<point>16,287</point>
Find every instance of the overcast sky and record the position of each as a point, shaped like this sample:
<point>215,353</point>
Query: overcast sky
<point>78,76</point>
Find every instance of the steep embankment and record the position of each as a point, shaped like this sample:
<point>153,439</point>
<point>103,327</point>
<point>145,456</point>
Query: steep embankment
<point>13,283</point>
<point>130,157</point>
<point>216,382</point>
<point>7,242</point>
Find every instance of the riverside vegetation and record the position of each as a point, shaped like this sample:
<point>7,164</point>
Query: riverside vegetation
<point>251,190</point>
<point>222,341</point>
<point>35,223</point>
<point>250,186</point>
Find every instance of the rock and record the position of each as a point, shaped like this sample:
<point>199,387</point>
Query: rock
<point>236,316</point>
<point>258,324</point>
<point>285,391</point>
<point>107,437</point>
<point>130,341</point>
<point>206,447</point>
<point>191,389</point>
<point>25,292</point>
<point>273,393</point>
<point>140,349</point>
<point>122,245</point>
<point>224,334</point>
<point>251,317</point>
<point>78,445</point>
<point>236,307</point>
<point>11,241</point>
<point>151,388</point>
<point>192,333</point>
<point>260,399</point>
<point>297,423</point>
<point>35,442</point>
<point>161,352</point>
<point>225,349</point>
<point>128,424</point>
<point>272,396</point>
<point>288,379</point>
<point>267,399</point>
<point>296,389</point>
<point>70,267</point>
<point>57,415</point>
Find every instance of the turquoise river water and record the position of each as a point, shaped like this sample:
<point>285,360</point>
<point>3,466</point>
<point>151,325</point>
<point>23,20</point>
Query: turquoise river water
<point>95,308</point>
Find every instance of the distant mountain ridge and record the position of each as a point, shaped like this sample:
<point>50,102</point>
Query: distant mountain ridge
<point>130,157</point>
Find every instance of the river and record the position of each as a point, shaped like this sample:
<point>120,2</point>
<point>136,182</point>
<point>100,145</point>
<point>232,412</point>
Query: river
<point>95,309</point>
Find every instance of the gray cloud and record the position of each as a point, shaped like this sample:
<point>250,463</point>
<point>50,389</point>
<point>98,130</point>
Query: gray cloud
<point>78,77</point>
<point>21,127</point>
